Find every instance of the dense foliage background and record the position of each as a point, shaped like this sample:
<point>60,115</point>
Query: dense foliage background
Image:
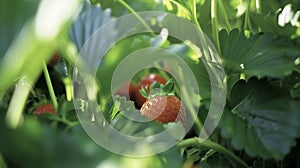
<point>257,40</point>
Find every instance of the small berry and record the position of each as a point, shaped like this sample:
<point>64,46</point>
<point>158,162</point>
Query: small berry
<point>164,109</point>
<point>45,108</point>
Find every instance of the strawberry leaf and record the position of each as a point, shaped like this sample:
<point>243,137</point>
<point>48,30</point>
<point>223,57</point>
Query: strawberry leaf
<point>259,118</point>
<point>268,24</point>
<point>89,20</point>
<point>259,55</point>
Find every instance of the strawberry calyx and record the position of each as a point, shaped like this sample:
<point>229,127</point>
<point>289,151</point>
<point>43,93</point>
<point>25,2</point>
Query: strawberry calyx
<point>158,89</point>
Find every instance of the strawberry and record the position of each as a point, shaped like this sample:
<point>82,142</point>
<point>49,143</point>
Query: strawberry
<point>45,108</point>
<point>147,81</point>
<point>127,90</point>
<point>164,109</point>
<point>162,106</point>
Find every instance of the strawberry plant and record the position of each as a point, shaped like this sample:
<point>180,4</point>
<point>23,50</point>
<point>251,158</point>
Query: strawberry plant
<point>73,75</point>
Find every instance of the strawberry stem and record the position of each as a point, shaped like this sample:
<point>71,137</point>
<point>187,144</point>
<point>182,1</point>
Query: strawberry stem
<point>212,145</point>
<point>69,124</point>
<point>215,25</point>
<point>139,18</point>
<point>50,87</point>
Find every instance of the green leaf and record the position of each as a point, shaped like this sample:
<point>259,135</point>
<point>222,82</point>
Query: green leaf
<point>60,148</point>
<point>134,128</point>
<point>261,116</point>
<point>138,6</point>
<point>259,55</point>
<point>232,7</point>
<point>180,8</point>
<point>268,24</point>
<point>90,19</point>
<point>129,127</point>
<point>292,83</point>
<point>205,17</point>
<point>197,67</point>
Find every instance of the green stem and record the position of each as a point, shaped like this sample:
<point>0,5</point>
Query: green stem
<point>201,36</point>
<point>258,6</point>
<point>258,10</point>
<point>194,15</point>
<point>215,25</point>
<point>131,10</point>
<point>65,121</point>
<point>212,145</point>
<point>204,45</point>
<point>224,13</point>
<point>68,87</point>
<point>50,87</point>
<point>69,52</point>
<point>17,102</point>
<point>190,106</point>
<point>247,23</point>
<point>193,112</point>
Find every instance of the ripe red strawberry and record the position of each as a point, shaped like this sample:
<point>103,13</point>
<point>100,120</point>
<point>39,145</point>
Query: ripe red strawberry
<point>127,90</point>
<point>45,108</point>
<point>147,81</point>
<point>164,109</point>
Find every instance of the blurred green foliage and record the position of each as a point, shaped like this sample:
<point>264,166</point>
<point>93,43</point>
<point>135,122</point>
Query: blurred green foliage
<point>261,59</point>
<point>13,16</point>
